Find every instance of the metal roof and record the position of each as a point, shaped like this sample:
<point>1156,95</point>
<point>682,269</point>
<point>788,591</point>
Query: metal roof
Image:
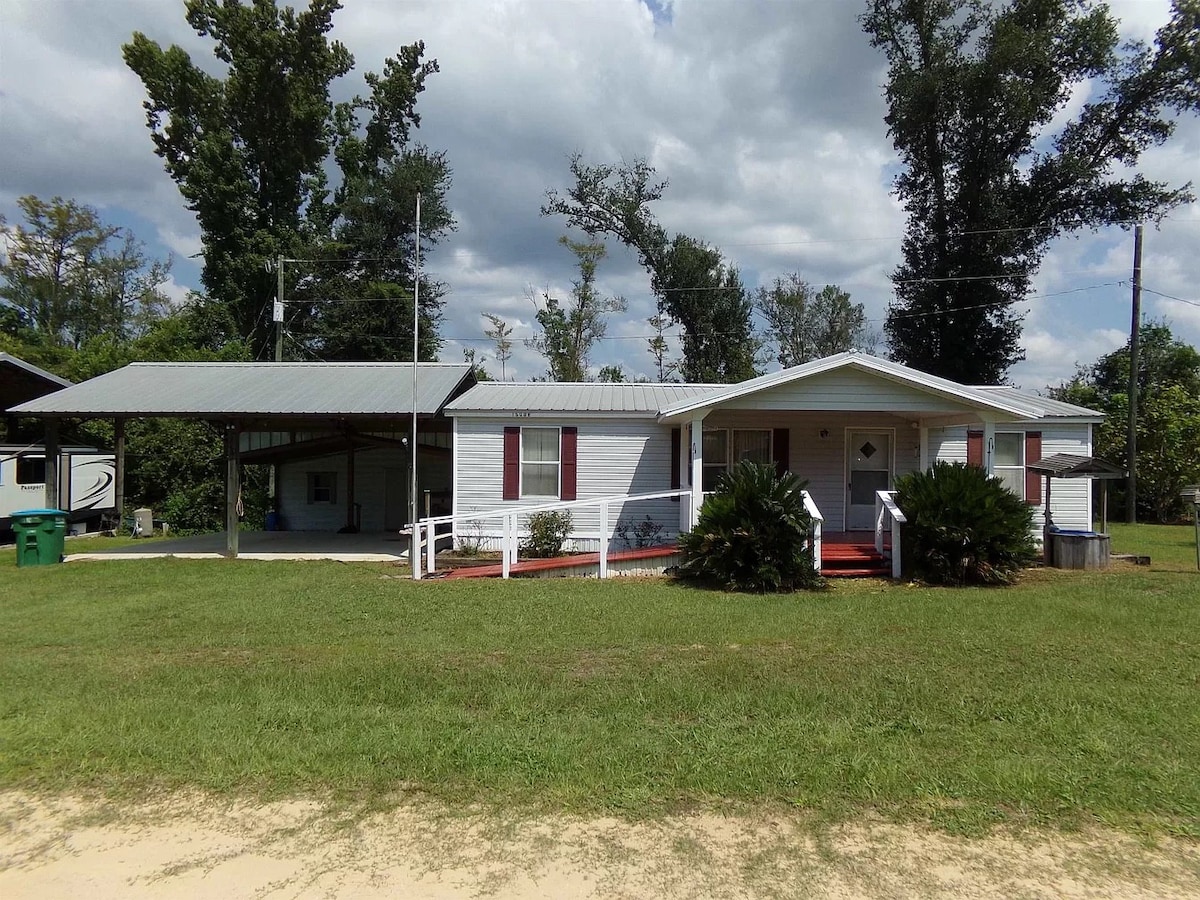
<point>221,389</point>
<point>17,362</point>
<point>884,367</point>
<point>558,397</point>
<point>1047,408</point>
<point>1072,465</point>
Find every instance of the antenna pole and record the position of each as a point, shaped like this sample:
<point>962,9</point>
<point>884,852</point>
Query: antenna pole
<point>414,554</point>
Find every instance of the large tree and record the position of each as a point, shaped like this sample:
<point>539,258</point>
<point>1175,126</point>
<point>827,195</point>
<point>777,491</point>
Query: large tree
<point>66,276</point>
<point>806,324</point>
<point>973,91</point>
<point>251,150</point>
<point>1168,420</point>
<point>690,279</point>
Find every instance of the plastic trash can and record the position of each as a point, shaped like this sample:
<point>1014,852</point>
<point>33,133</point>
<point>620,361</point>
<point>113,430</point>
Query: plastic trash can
<point>40,535</point>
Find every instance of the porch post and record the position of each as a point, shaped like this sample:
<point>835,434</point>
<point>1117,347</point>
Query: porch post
<point>697,441</point>
<point>685,506</point>
<point>232,489</point>
<point>923,431</point>
<point>989,446</point>
<point>51,452</point>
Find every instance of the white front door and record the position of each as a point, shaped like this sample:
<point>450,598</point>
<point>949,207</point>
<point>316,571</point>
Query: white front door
<point>868,469</point>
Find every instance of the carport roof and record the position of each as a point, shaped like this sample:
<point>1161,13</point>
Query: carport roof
<point>236,389</point>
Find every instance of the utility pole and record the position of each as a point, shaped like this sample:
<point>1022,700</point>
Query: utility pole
<point>414,554</point>
<point>1134,329</point>
<point>278,311</point>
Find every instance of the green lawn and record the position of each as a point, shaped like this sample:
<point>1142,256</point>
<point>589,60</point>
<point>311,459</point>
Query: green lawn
<point>1066,699</point>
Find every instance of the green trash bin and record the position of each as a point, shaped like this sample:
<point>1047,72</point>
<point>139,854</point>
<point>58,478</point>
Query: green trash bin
<point>40,535</point>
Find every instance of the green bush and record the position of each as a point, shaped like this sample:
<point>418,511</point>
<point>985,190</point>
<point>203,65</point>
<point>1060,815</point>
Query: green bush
<point>963,527</point>
<point>548,531</point>
<point>753,534</point>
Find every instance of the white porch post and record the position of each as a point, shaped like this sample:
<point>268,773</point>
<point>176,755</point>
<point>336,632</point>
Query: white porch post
<point>697,464</point>
<point>989,446</point>
<point>923,431</point>
<point>685,507</point>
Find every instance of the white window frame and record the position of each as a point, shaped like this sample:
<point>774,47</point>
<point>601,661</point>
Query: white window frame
<point>310,478</point>
<point>730,462</point>
<point>521,463</point>
<point>997,468</point>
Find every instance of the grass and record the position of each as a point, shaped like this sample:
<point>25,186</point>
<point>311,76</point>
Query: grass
<point>1069,698</point>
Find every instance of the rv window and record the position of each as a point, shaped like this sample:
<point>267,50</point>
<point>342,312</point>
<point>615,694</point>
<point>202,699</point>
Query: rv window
<point>31,470</point>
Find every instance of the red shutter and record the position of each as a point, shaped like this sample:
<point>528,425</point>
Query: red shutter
<point>780,450</point>
<point>569,451</point>
<point>512,463</point>
<point>676,449</point>
<point>975,449</point>
<point>1033,453</point>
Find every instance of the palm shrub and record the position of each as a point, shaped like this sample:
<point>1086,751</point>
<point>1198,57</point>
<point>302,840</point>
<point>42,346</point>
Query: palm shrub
<point>964,527</point>
<point>753,534</point>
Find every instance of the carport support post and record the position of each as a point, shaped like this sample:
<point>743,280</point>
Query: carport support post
<point>119,474</point>
<point>51,463</point>
<point>232,488</point>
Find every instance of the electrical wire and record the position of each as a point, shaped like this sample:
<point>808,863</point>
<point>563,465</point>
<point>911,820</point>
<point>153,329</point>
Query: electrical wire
<point>1169,296</point>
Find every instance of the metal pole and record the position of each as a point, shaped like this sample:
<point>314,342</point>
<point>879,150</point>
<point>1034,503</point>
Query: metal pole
<point>232,490</point>
<point>414,553</point>
<point>278,312</point>
<point>51,453</point>
<point>1134,329</point>
<point>119,474</point>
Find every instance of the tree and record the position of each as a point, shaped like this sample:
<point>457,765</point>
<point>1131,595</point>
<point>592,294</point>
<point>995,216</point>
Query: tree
<point>250,149</point>
<point>70,277</point>
<point>612,374</point>
<point>659,348</point>
<point>500,334</point>
<point>1168,421</point>
<point>806,324</point>
<point>475,360</point>
<point>972,91</point>
<point>569,333</point>
<point>692,282</point>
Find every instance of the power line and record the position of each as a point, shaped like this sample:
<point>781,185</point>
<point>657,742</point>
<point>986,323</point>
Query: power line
<point>1169,296</point>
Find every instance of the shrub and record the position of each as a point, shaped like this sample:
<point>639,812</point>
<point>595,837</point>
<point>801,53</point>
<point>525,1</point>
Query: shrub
<point>638,535</point>
<point>548,531</point>
<point>963,527</point>
<point>753,534</point>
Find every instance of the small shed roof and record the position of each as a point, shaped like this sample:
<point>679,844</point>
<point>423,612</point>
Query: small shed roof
<point>234,390</point>
<point>1072,465</point>
<point>21,381</point>
<point>625,398</point>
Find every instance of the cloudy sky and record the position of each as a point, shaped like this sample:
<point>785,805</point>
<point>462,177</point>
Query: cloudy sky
<point>766,117</point>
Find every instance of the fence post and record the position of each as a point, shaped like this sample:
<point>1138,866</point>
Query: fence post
<point>414,550</point>
<point>879,513</point>
<point>603,540</point>
<point>505,559</point>
<point>431,537</point>
<point>817,545</point>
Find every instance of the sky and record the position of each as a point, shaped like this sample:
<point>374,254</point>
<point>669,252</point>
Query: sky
<point>765,116</point>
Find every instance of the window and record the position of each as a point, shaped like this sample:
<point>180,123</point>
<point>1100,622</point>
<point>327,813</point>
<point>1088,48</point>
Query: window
<point>751,444</point>
<point>322,487</point>
<point>540,462</point>
<point>31,470</point>
<point>1008,460</point>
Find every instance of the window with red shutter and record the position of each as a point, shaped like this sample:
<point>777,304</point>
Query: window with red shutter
<point>569,451</point>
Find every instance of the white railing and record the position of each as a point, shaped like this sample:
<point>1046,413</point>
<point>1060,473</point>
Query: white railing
<point>426,528</point>
<point>886,509</point>
<point>818,519</point>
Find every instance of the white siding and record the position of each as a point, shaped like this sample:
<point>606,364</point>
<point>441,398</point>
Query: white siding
<point>1070,499</point>
<point>369,486</point>
<point>848,390</point>
<point>614,458</point>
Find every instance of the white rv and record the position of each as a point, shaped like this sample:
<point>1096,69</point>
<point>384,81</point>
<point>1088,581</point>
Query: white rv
<point>87,488</point>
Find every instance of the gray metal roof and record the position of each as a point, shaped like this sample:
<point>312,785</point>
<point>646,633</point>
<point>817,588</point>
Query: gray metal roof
<point>17,362</point>
<point>1045,407</point>
<point>558,397</point>
<point>219,389</point>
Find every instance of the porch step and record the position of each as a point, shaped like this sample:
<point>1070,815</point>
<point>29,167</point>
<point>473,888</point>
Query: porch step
<point>857,560</point>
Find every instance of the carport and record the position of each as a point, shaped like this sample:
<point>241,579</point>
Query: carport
<point>276,413</point>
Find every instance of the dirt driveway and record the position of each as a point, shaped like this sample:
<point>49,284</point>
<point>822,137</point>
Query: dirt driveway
<point>196,847</point>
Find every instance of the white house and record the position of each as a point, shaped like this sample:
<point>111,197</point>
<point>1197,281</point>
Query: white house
<point>849,424</point>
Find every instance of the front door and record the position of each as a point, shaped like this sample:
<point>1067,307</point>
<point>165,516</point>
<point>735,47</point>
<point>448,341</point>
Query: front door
<point>868,469</point>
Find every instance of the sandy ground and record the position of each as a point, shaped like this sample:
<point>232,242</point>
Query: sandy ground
<point>201,848</point>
